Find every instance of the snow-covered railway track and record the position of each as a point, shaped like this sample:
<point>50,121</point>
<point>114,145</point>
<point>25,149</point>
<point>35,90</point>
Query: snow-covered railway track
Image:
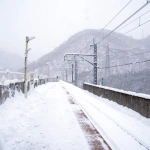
<point>94,138</point>
<point>101,119</point>
<point>122,128</point>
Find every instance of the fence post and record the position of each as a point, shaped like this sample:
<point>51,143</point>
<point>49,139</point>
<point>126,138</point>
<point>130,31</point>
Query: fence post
<point>1,94</point>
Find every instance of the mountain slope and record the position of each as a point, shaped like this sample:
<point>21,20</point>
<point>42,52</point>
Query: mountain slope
<point>81,41</point>
<point>10,61</point>
<point>122,50</point>
<point>146,41</point>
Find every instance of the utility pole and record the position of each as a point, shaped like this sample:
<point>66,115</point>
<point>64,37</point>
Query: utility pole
<point>94,63</point>
<point>66,75</point>
<point>72,73</point>
<point>76,70</point>
<point>63,75</point>
<point>25,69</point>
<point>47,64</point>
<point>25,72</point>
<point>107,63</point>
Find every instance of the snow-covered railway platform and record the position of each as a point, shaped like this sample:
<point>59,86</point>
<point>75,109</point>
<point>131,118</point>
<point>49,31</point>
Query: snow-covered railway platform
<point>60,116</point>
<point>48,119</point>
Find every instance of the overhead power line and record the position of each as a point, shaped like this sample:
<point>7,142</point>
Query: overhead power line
<point>115,16</point>
<point>137,26</point>
<point>124,21</point>
<point>124,34</point>
<point>125,64</point>
<point>127,56</point>
<point>130,55</point>
<point>133,20</point>
<point>127,32</point>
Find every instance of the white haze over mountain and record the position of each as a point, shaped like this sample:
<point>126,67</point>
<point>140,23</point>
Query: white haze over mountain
<point>80,43</point>
<point>10,61</point>
<point>53,21</point>
<point>133,77</point>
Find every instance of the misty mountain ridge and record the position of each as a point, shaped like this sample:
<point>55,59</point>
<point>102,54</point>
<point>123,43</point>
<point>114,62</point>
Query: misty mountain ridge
<point>146,41</point>
<point>10,61</point>
<point>80,43</point>
<point>122,50</point>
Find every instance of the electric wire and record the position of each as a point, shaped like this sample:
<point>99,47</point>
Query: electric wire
<point>127,56</point>
<point>133,20</point>
<point>113,19</point>
<point>130,55</point>
<point>127,32</point>
<point>124,22</point>
<point>129,22</point>
<point>138,62</point>
<point>137,26</point>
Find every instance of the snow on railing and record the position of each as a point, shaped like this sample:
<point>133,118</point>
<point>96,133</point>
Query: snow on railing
<point>7,77</point>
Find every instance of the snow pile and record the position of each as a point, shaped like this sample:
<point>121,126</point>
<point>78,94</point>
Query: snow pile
<point>15,117</point>
<point>43,121</point>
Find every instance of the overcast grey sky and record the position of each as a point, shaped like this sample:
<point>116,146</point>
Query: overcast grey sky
<point>54,21</point>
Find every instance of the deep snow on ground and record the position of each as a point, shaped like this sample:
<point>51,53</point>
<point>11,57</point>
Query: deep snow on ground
<point>43,121</point>
<point>46,121</point>
<point>121,127</point>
